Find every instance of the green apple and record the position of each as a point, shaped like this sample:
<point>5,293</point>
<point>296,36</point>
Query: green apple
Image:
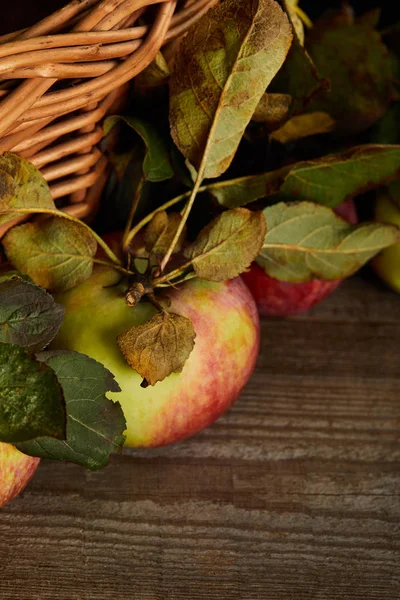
<point>16,470</point>
<point>225,319</point>
<point>387,210</point>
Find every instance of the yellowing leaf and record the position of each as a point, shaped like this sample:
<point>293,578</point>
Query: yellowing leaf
<point>302,126</point>
<point>272,110</point>
<point>21,186</point>
<point>56,254</point>
<point>161,231</point>
<point>223,66</point>
<point>305,241</point>
<point>227,245</point>
<point>159,347</point>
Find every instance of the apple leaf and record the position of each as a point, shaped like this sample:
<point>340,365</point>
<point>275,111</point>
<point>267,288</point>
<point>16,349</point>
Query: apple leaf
<point>227,245</point>
<point>159,347</point>
<point>156,163</point>
<point>329,180</point>
<point>161,231</point>
<point>21,186</point>
<point>222,68</point>
<point>29,316</point>
<point>302,126</point>
<point>95,424</point>
<point>154,75</point>
<point>31,400</point>
<point>306,241</point>
<point>356,62</point>
<point>57,254</point>
<point>290,7</point>
<point>299,78</point>
<point>272,110</point>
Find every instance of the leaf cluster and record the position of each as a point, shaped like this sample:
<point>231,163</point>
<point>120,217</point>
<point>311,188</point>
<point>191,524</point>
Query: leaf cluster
<point>237,146</point>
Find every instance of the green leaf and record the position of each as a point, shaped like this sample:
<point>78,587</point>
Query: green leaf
<point>156,164</point>
<point>302,126</point>
<point>329,180</point>
<point>387,130</point>
<point>31,400</point>
<point>95,424</point>
<point>227,245</point>
<point>154,75</point>
<point>223,66</point>
<point>29,317</point>
<point>357,65</point>
<point>161,231</point>
<point>305,241</point>
<point>273,110</point>
<point>299,78</point>
<point>56,254</point>
<point>21,186</point>
<point>159,347</point>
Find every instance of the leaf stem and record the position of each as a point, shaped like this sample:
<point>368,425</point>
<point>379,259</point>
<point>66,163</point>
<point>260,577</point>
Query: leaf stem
<point>167,277</point>
<point>63,215</point>
<point>182,224</point>
<point>135,203</point>
<point>135,230</point>
<point>112,266</point>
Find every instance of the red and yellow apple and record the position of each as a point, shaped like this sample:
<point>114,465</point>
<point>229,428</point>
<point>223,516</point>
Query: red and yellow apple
<point>275,298</point>
<point>16,470</point>
<point>387,210</point>
<point>227,339</point>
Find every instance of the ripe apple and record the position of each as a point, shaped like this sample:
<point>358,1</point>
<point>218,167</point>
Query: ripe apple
<point>275,298</point>
<point>387,263</point>
<point>227,339</point>
<point>16,470</point>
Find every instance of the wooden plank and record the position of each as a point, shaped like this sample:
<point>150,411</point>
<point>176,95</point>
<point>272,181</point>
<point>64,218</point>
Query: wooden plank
<point>293,494</point>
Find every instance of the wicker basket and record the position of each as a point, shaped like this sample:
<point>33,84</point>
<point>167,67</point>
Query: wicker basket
<point>61,76</point>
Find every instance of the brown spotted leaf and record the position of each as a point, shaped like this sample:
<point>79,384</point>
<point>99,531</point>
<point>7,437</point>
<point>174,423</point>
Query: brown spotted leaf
<point>159,347</point>
<point>273,110</point>
<point>227,245</point>
<point>223,66</point>
<point>329,180</point>
<point>356,63</point>
<point>55,253</point>
<point>161,231</point>
<point>21,186</point>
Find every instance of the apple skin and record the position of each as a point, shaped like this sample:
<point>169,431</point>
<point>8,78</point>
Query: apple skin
<point>275,298</point>
<point>16,470</point>
<point>387,263</point>
<point>226,322</point>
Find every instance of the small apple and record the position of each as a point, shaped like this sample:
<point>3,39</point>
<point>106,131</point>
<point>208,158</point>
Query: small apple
<point>275,298</point>
<point>387,210</point>
<point>225,319</point>
<point>16,470</point>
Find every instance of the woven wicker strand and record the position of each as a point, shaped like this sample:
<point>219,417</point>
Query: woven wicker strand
<point>90,49</point>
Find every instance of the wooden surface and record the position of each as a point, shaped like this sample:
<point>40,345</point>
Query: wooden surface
<point>293,495</point>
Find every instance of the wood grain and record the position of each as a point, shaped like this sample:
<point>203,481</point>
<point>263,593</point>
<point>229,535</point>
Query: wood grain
<point>293,495</point>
